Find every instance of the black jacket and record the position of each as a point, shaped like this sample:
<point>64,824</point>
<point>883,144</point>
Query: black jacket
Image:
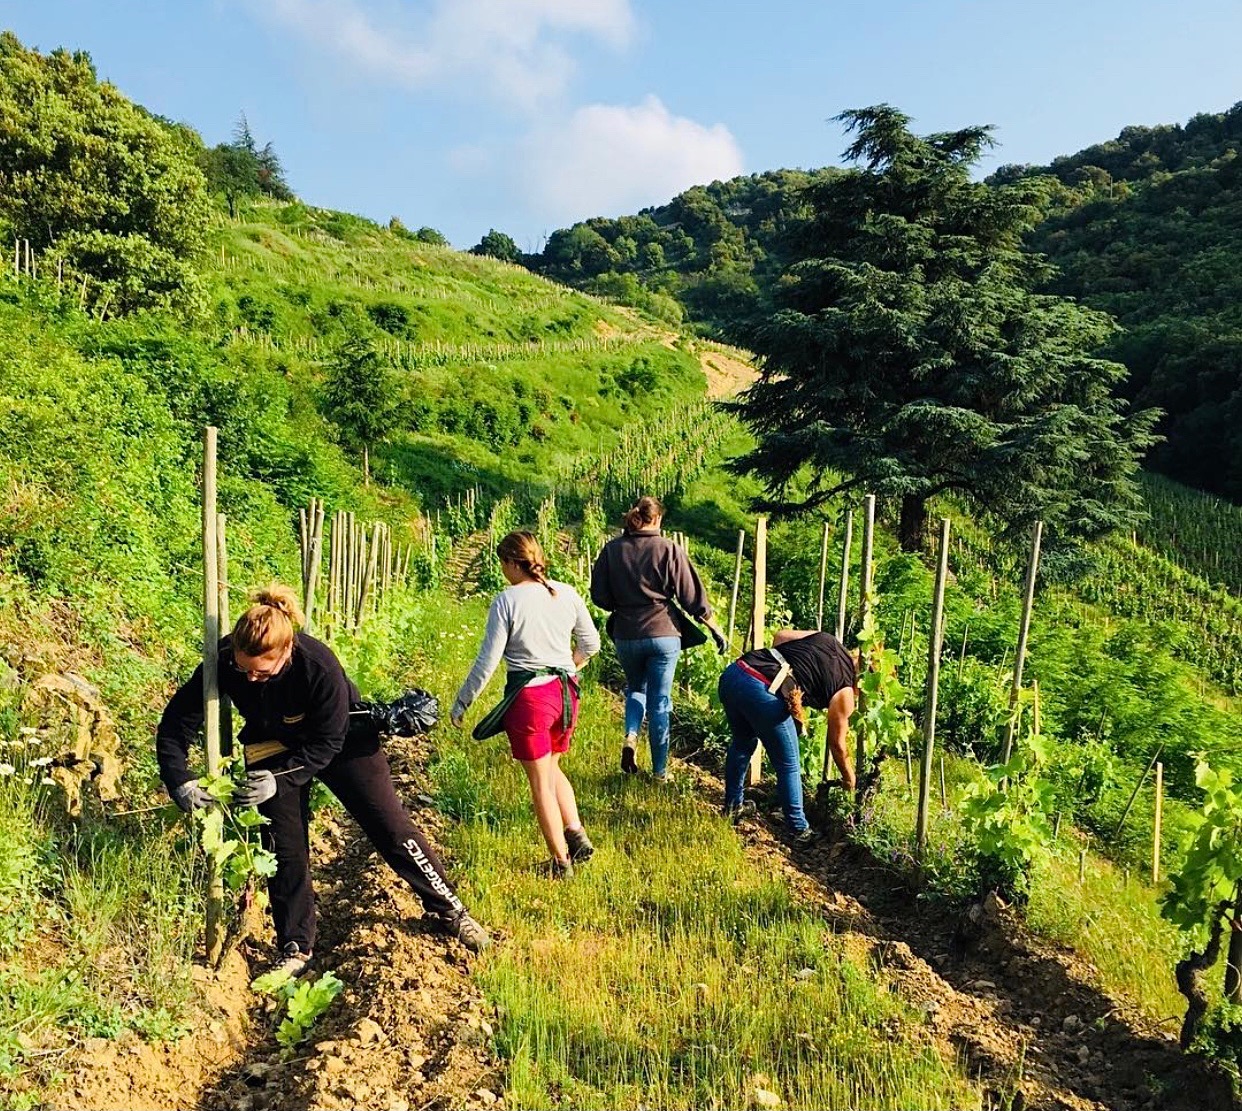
<point>305,707</point>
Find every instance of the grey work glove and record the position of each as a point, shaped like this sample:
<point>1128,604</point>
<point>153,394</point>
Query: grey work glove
<point>258,788</point>
<point>722,645</point>
<point>190,796</point>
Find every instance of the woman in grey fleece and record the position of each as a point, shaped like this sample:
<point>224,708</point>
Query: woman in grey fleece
<point>642,577</point>
<point>544,633</point>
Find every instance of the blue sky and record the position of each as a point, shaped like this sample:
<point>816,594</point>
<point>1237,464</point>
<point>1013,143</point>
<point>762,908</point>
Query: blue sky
<point>526,115</point>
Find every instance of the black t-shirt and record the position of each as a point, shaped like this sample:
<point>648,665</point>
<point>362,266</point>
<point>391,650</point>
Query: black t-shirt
<point>821,666</point>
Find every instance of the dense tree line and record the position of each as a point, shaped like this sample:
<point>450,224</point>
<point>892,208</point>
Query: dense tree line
<point>714,252</point>
<point>1149,229</point>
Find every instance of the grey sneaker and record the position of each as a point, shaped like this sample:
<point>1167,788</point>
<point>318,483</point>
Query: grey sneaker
<point>804,837</point>
<point>461,926</point>
<point>292,961</point>
<point>559,869</point>
<point>580,848</point>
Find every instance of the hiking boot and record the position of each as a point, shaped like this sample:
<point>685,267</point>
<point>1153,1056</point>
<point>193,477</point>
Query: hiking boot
<point>628,764</point>
<point>739,811</point>
<point>580,848</point>
<point>292,961</point>
<point>803,838</point>
<point>559,869</point>
<point>466,930</point>
<point>665,776</point>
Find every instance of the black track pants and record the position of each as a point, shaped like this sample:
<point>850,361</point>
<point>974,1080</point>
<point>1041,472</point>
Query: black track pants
<point>361,779</point>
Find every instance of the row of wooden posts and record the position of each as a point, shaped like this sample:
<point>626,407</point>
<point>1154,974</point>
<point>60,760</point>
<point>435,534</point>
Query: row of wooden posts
<point>364,566</point>
<point>756,634</point>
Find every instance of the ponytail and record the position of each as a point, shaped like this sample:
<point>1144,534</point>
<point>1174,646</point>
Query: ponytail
<point>524,549</point>
<point>643,513</point>
<point>270,621</point>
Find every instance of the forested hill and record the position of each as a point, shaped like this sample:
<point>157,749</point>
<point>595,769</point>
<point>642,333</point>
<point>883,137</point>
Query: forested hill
<point>1148,227</point>
<point>713,253</point>
<point>1153,235</point>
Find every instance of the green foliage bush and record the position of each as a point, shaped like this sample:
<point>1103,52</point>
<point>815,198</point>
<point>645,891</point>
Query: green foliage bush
<point>90,178</point>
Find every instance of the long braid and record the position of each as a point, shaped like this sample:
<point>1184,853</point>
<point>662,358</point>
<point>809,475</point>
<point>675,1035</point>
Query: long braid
<point>524,549</point>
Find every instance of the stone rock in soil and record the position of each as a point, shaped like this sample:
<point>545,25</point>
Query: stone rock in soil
<point>1071,1023</point>
<point>804,974</point>
<point>765,1098</point>
<point>1084,1054</point>
<point>368,1032</point>
<point>485,1097</point>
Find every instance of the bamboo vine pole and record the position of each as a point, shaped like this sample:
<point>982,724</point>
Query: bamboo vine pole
<point>226,625</point>
<point>843,592</point>
<point>1157,822</point>
<point>1024,629</point>
<point>351,564</point>
<point>823,572</point>
<point>368,576</point>
<point>214,934</point>
<point>864,608</point>
<point>737,580</point>
<point>334,568</point>
<point>758,618</point>
<point>313,559</point>
<point>934,646</point>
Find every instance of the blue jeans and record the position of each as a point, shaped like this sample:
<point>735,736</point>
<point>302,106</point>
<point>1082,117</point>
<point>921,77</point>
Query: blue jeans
<point>649,664</point>
<point>755,715</point>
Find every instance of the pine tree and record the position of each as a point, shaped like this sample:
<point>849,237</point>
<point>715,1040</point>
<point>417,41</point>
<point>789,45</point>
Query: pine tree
<point>912,355</point>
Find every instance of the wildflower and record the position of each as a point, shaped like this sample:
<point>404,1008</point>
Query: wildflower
<point>41,762</point>
<point>48,781</point>
<point>7,769</point>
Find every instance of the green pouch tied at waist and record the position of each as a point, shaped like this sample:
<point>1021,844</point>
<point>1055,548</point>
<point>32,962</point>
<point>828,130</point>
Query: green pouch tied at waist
<point>493,721</point>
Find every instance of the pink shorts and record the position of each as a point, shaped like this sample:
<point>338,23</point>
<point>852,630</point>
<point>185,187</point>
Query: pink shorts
<point>534,722</point>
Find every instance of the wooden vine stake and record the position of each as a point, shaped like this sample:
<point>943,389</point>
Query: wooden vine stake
<point>758,617</point>
<point>864,607</point>
<point>843,591</point>
<point>310,571</point>
<point>934,644</point>
<point>823,573</point>
<point>1157,821</point>
<point>1024,629</point>
<point>211,682</point>
<point>226,626</point>
<point>737,580</point>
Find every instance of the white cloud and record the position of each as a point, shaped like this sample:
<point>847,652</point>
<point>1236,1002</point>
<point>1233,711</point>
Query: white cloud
<point>513,50</point>
<point>611,159</point>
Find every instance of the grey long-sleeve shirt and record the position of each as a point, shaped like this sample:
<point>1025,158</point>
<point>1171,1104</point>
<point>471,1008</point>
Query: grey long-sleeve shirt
<point>530,629</point>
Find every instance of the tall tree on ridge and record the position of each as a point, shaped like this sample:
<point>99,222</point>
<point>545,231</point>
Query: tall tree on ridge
<point>911,356</point>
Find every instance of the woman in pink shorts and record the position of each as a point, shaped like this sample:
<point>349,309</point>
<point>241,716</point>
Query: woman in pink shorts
<point>542,630</point>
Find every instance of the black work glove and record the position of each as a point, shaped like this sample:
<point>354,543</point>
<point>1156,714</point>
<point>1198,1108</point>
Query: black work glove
<point>722,645</point>
<point>190,796</point>
<point>258,788</point>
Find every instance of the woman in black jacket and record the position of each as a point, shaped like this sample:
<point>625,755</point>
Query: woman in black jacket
<point>641,578</point>
<point>295,699</point>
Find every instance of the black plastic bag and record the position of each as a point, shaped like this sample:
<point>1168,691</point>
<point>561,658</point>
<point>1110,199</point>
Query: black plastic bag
<point>414,713</point>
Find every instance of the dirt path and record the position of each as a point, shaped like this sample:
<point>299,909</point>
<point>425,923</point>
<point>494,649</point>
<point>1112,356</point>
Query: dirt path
<point>1024,1014</point>
<point>410,1030</point>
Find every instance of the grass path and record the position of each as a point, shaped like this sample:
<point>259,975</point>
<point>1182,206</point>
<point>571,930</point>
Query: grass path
<point>674,970</point>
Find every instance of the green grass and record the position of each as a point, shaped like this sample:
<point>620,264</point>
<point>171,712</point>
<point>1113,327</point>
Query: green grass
<point>664,973</point>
